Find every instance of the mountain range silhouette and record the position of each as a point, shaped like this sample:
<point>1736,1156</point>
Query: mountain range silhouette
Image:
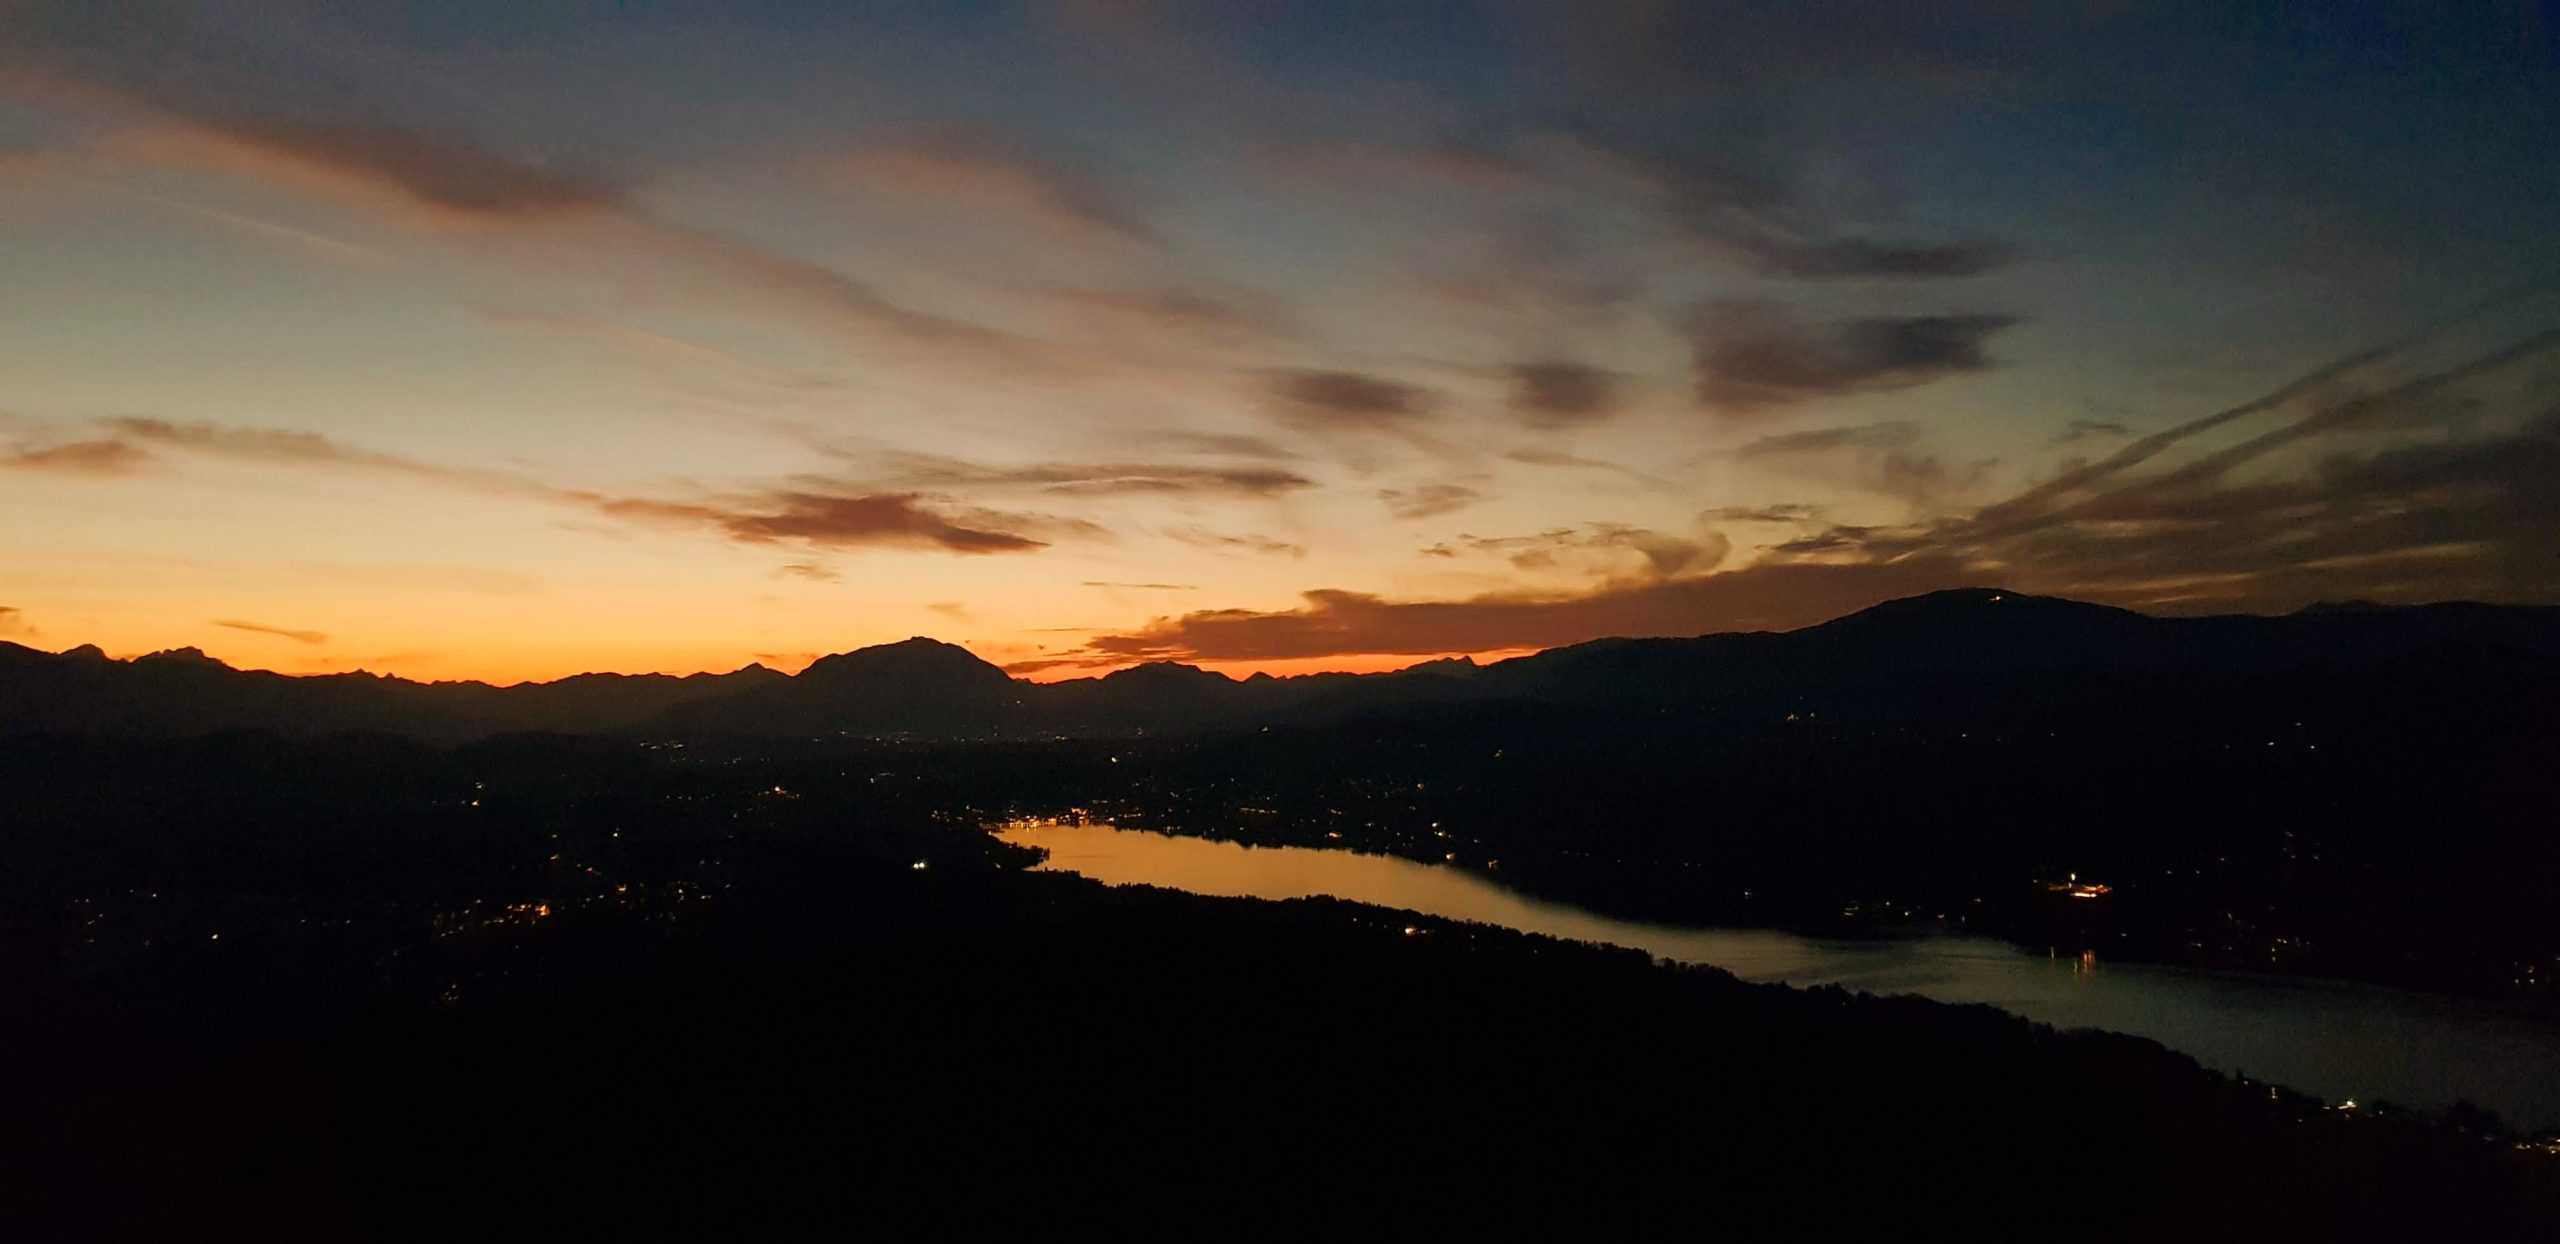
<point>923,688</point>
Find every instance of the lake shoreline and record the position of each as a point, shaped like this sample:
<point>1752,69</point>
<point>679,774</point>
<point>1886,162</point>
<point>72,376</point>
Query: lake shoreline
<point>1602,901</point>
<point>2298,1030</point>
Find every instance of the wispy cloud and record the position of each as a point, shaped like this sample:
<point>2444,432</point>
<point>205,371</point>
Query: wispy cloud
<point>2091,430</point>
<point>1659,554</point>
<point>1753,357</point>
<point>85,169</point>
<point>435,178</point>
<point>1220,444</point>
<point>1348,398</point>
<point>1786,512</point>
<point>661,351</point>
<point>1428,500</point>
<point>811,512</point>
<point>1541,456</point>
<point>2435,484</point>
<point>829,520</point>
<point>1342,623</point>
<point>1357,413</point>
<point>88,457</point>
<point>1886,459</point>
<point>297,447</point>
<point>1085,479</point>
<point>2058,497</point>
<point>445,183</point>
<point>2454,499</point>
<point>978,171</point>
<point>1729,183</point>
<point>1869,258</point>
<point>1246,542</point>
<point>280,632</point>
<point>1555,391</point>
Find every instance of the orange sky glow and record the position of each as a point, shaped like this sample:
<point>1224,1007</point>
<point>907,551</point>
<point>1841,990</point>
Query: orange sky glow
<point>337,345</point>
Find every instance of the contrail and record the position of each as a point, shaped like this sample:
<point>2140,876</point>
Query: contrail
<point>1988,521</point>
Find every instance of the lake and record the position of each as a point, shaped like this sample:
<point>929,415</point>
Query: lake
<point>2336,1040</point>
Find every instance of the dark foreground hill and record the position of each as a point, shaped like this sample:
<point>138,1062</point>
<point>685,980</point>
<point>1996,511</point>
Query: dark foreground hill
<point>826,1045</point>
<point>579,988</point>
<point>1977,641</point>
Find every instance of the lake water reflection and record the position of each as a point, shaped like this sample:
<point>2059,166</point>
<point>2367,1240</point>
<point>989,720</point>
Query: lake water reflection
<point>2332,1039</point>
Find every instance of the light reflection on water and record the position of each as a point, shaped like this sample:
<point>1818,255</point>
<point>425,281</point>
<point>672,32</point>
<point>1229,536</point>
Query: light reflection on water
<point>2328,1038</point>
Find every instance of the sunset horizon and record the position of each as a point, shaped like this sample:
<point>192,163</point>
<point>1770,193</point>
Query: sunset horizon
<point>354,342</point>
<point>795,662</point>
<point>1036,670</point>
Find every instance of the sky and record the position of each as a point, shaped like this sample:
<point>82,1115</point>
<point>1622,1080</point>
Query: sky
<point>505,341</point>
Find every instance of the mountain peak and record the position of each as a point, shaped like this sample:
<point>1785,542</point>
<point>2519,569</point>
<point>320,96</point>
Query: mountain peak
<point>923,688</point>
<point>1166,672</point>
<point>1955,598</point>
<point>1445,666</point>
<point>918,655</point>
<point>85,652</point>
<point>1971,606</point>
<point>751,672</point>
<point>183,656</point>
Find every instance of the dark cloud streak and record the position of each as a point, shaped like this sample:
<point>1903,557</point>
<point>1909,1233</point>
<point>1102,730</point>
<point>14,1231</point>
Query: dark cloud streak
<point>1094,479</point>
<point>1222,542</point>
<point>447,181</point>
<point>92,457</point>
<point>1562,392</point>
<point>814,514</point>
<point>1790,512</point>
<point>1338,623</point>
<point>453,180</point>
<point>826,520</point>
<point>1428,500</point>
<point>1869,259</point>
<point>1881,458</point>
<point>1351,397</point>
<point>280,632</point>
<point>1753,357</point>
<point>1664,555</point>
<point>2446,506</point>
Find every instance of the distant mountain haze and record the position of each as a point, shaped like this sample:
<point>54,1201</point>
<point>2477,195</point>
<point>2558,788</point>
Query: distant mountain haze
<point>184,692</point>
<point>1917,646</point>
